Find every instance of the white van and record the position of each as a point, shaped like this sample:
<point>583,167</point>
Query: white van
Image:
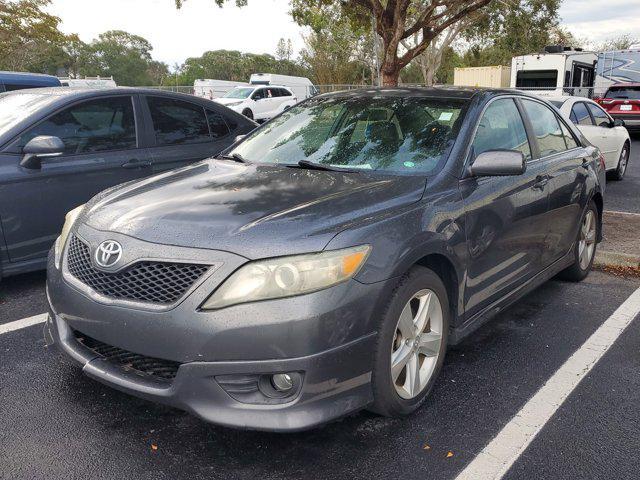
<point>557,71</point>
<point>88,82</point>
<point>259,102</point>
<point>210,88</point>
<point>301,87</point>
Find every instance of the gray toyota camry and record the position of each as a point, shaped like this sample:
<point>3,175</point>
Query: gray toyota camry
<point>323,264</point>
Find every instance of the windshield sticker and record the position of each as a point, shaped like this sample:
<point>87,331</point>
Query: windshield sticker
<point>445,116</point>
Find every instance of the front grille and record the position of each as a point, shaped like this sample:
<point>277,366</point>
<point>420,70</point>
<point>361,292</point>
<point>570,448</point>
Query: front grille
<point>161,370</point>
<point>154,282</point>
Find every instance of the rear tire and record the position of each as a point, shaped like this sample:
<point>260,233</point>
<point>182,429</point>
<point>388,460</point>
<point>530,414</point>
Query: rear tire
<point>248,113</point>
<point>623,162</point>
<point>584,250</point>
<point>411,345</point>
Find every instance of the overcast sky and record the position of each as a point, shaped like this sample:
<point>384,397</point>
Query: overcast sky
<point>200,25</point>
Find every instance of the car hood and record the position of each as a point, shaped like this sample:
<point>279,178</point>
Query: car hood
<point>256,211</point>
<point>227,101</point>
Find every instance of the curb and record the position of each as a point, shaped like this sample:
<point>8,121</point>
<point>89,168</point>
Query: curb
<point>619,262</point>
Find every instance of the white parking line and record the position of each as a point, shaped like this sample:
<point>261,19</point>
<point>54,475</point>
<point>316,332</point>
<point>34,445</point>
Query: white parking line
<point>24,323</point>
<point>501,453</point>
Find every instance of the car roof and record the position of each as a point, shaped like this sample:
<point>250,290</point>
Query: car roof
<point>83,92</point>
<point>463,93</point>
<point>29,77</point>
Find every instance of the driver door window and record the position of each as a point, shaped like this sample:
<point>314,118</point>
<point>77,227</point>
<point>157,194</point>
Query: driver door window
<point>106,124</point>
<point>546,128</point>
<point>501,128</point>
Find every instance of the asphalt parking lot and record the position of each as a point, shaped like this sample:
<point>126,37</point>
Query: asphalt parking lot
<point>623,196</point>
<point>56,423</point>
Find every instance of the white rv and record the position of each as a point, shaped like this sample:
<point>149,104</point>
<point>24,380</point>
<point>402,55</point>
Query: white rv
<point>617,66</point>
<point>301,87</point>
<point>557,71</point>
<point>208,88</point>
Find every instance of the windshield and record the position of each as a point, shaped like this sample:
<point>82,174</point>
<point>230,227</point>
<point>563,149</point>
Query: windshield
<point>629,93</point>
<point>239,93</point>
<point>409,135</point>
<point>15,107</point>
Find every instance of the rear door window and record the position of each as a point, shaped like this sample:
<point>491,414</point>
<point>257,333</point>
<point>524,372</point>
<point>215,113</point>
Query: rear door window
<point>92,126</point>
<point>580,114</point>
<point>601,118</point>
<point>217,125</point>
<point>569,140</point>
<point>546,128</point>
<point>176,122</point>
<point>501,128</point>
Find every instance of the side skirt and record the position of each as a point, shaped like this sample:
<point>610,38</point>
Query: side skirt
<point>482,317</point>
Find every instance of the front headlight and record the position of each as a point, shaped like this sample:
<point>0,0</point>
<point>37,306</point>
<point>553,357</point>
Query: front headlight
<point>69,220</point>
<point>288,276</point>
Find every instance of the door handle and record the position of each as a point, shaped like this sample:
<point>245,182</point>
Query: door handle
<point>135,163</point>
<point>540,182</point>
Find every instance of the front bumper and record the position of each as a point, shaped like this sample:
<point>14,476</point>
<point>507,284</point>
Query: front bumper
<point>327,336</point>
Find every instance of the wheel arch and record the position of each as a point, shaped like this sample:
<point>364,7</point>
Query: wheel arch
<point>599,201</point>
<point>444,267</point>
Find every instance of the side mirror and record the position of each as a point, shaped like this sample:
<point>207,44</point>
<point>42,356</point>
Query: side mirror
<point>618,122</point>
<point>38,148</point>
<point>499,163</point>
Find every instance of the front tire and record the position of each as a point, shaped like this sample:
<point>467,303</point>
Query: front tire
<point>412,342</point>
<point>623,162</point>
<point>585,246</point>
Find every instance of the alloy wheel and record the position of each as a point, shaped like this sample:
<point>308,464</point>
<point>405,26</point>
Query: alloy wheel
<point>417,343</point>
<point>622,164</point>
<point>587,242</point>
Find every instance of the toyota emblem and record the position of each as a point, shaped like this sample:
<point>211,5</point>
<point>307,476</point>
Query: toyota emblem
<point>108,253</point>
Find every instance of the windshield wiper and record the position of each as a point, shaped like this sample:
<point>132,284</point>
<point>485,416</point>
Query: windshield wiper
<point>319,166</point>
<point>236,157</point>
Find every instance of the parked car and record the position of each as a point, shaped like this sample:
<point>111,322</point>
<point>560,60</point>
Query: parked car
<point>609,135</point>
<point>325,263</point>
<point>10,81</point>
<point>622,102</point>
<point>59,147</point>
<point>259,103</point>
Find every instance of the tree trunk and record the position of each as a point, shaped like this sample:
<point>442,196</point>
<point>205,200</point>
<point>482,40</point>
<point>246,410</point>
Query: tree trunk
<point>390,74</point>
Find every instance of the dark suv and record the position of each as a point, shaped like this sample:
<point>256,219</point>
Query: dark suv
<point>61,146</point>
<point>325,262</point>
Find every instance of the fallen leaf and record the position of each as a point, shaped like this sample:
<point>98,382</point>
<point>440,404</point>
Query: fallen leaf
<point>449,454</point>
<point>426,447</point>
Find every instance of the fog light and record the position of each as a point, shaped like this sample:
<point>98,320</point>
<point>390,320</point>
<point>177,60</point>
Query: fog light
<point>282,382</point>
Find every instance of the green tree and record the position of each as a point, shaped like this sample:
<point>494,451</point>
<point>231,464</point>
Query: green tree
<point>284,50</point>
<point>512,28</point>
<point>116,53</point>
<point>30,39</point>
<point>394,21</point>
<point>621,42</point>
